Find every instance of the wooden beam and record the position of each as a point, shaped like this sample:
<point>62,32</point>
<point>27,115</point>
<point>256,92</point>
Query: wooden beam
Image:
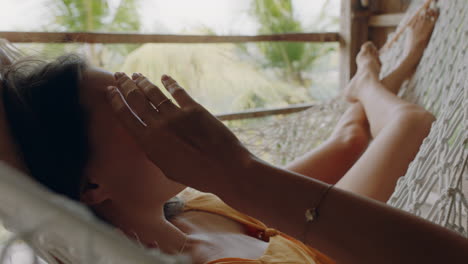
<point>255,113</point>
<point>88,37</point>
<point>387,20</point>
<point>354,32</point>
<point>388,7</point>
<point>379,33</point>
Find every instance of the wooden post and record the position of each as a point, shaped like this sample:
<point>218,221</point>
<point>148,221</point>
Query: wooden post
<point>354,32</point>
<point>386,10</point>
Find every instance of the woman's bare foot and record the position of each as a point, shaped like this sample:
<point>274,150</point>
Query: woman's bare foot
<point>420,31</point>
<point>369,65</point>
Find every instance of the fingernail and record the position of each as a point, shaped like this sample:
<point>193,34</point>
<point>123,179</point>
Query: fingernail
<point>165,77</point>
<point>135,75</point>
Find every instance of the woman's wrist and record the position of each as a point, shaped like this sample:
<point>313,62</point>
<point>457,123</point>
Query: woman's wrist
<point>261,186</point>
<point>238,178</point>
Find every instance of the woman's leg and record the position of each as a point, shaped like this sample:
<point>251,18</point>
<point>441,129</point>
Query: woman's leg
<point>419,36</point>
<point>398,128</point>
<point>332,159</point>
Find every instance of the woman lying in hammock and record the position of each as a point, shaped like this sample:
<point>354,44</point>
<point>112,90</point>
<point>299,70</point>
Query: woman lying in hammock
<point>72,142</point>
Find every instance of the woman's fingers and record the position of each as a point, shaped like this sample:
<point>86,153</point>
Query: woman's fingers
<point>135,99</point>
<point>154,94</point>
<point>124,113</point>
<point>179,93</point>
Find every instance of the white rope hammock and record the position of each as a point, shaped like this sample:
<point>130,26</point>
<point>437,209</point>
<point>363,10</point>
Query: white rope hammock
<point>52,224</point>
<point>432,188</point>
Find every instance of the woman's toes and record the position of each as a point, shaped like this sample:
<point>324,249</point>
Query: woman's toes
<point>431,16</point>
<point>367,47</point>
<point>364,52</point>
<point>369,57</point>
<point>420,31</point>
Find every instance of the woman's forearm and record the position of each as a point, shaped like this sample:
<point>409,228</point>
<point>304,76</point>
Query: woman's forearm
<point>350,228</point>
<point>206,155</point>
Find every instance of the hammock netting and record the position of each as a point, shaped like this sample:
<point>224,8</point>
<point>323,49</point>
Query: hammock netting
<point>433,188</point>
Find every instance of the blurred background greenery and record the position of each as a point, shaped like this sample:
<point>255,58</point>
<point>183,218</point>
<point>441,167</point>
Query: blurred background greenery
<point>224,77</point>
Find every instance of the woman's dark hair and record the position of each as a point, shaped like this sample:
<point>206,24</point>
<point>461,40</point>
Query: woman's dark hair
<point>47,120</point>
<point>49,124</point>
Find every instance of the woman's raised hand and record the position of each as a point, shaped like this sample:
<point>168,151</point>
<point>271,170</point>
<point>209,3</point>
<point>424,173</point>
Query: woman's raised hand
<point>186,142</point>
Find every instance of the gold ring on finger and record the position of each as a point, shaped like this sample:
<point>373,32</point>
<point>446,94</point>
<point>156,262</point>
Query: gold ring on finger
<point>162,102</point>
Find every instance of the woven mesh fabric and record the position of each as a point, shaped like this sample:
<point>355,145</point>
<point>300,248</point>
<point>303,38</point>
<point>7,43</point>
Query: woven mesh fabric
<point>435,186</point>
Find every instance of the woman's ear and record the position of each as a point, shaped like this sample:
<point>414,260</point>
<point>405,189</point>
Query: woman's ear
<point>93,194</point>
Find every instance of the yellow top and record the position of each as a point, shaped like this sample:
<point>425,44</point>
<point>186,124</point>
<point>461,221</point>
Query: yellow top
<point>281,248</point>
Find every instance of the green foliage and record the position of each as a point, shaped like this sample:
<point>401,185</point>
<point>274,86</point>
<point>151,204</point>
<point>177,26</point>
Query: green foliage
<point>96,16</point>
<point>276,16</point>
<point>290,59</point>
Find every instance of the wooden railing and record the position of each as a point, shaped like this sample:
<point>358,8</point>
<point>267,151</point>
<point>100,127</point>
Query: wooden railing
<point>113,38</point>
<point>344,38</point>
<point>256,113</point>
<point>386,20</point>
